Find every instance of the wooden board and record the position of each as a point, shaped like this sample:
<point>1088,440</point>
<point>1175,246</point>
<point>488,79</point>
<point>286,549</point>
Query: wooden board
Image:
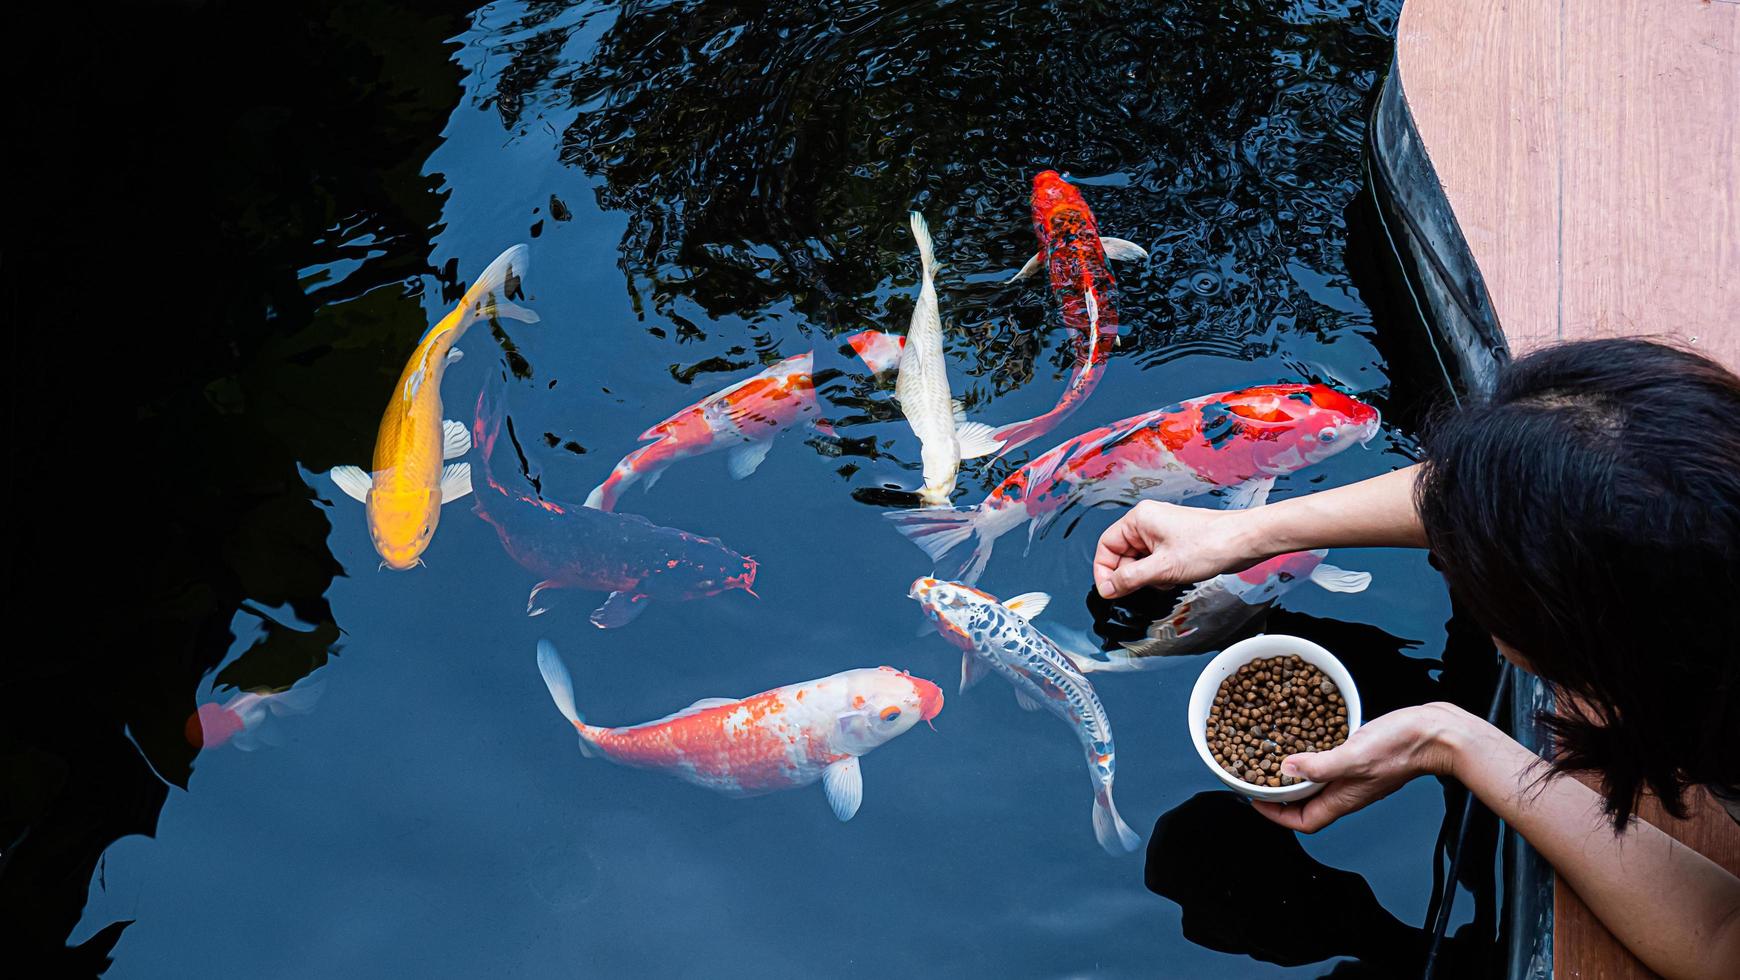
<point>1590,150</point>
<point>1591,154</point>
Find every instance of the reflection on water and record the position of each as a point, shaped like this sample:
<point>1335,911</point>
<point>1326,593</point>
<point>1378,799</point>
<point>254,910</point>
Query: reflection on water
<point>708,190</point>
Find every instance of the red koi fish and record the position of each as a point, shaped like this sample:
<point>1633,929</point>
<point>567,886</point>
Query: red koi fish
<point>1235,440</point>
<point>1072,251</point>
<point>785,738</point>
<point>742,419</point>
<point>573,547</point>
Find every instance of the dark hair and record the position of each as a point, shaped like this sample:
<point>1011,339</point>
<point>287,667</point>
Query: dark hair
<point>1587,513</point>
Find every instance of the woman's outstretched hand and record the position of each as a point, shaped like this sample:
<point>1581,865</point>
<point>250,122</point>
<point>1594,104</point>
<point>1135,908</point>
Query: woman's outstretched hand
<point>1373,763</point>
<point>1165,544</point>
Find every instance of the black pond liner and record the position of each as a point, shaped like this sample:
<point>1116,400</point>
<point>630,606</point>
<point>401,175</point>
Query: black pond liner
<point>1437,272</point>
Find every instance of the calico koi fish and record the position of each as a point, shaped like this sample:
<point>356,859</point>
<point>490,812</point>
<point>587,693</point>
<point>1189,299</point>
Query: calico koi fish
<point>922,388</point>
<point>999,637</point>
<point>575,547</point>
<point>1236,440</point>
<point>1212,610</point>
<point>408,484</point>
<point>785,738</point>
<point>1073,253</point>
<point>741,419</point>
<point>240,721</point>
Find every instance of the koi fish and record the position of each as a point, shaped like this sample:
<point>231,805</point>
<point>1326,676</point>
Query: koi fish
<point>879,351</point>
<point>575,547</point>
<point>1236,440</point>
<point>999,637</point>
<point>1212,610</point>
<point>408,485</point>
<point>239,720</point>
<point>785,738</point>
<point>741,419</point>
<point>922,388</point>
<point>1072,251</point>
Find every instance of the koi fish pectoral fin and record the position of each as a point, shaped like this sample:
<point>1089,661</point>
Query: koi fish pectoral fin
<point>1028,604</point>
<point>455,439</point>
<point>619,609</point>
<point>1251,493</point>
<point>1120,250</point>
<point>973,669</point>
<point>1030,268</point>
<point>746,459</point>
<point>353,481</point>
<point>455,481</point>
<point>843,781</point>
<point>532,607</point>
<point>976,439</point>
<point>1026,702</point>
<point>1333,579</point>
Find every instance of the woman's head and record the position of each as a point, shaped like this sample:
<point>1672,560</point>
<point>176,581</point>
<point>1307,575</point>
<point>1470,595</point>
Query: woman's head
<point>1587,513</point>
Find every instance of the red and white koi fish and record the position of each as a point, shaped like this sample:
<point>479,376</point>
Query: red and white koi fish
<point>407,483</point>
<point>1214,609</point>
<point>741,419</point>
<point>879,351</point>
<point>785,738</point>
<point>1235,440</point>
<point>239,720</point>
<point>998,637</point>
<point>1072,251</point>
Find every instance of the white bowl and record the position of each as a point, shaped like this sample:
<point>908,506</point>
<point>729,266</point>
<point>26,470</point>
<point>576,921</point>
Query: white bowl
<point>1231,659</point>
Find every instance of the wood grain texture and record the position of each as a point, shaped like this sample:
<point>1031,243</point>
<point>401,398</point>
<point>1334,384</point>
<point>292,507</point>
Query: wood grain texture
<point>1590,150</point>
<point>1591,154</point>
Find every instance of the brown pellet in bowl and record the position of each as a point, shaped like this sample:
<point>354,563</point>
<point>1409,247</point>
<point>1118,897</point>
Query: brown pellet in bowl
<point>1269,709</point>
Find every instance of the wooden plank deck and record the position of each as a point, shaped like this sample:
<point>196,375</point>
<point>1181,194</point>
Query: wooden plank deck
<point>1590,151</point>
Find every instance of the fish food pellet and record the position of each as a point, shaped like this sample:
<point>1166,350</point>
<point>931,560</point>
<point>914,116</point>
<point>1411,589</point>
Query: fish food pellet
<point>1269,709</point>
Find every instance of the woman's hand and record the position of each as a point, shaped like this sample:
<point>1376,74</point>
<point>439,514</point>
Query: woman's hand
<point>1165,544</point>
<point>1373,763</point>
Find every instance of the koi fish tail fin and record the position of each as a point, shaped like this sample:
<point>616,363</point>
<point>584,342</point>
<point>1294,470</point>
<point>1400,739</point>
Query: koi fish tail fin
<point>603,496</point>
<point>1110,829</point>
<point>940,530</point>
<point>489,295</point>
<point>640,465</point>
<point>561,686</point>
<point>921,234</point>
<point>1018,434</point>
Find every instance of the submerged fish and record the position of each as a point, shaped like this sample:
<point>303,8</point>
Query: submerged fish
<point>408,484</point>
<point>997,636</point>
<point>240,721</point>
<point>1212,610</point>
<point>1238,440</point>
<point>741,419</point>
<point>879,351</point>
<point>922,388</point>
<point>1073,253</point>
<point>575,547</point>
<point>780,739</point>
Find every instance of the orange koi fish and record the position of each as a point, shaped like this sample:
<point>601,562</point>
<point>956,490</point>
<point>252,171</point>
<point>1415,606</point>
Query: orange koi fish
<point>785,738</point>
<point>408,485</point>
<point>1072,251</point>
<point>741,419</point>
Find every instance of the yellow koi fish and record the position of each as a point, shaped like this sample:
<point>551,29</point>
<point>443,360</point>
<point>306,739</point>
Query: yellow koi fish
<point>409,483</point>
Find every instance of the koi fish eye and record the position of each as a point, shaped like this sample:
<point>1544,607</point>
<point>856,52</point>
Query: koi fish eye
<point>1327,434</point>
<point>1284,577</point>
<point>890,713</point>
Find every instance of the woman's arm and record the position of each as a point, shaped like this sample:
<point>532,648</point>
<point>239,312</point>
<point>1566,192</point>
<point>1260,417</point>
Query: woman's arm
<point>1164,544</point>
<point>1675,909</point>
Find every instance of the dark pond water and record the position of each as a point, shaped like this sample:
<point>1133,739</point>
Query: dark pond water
<point>704,189</point>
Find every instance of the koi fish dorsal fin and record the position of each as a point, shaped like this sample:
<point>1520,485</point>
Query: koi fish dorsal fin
<point>696,708</point>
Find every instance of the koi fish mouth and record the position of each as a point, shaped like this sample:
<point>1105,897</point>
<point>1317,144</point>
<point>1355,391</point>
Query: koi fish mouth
<point>746,581</point>
<point>930,700</point>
